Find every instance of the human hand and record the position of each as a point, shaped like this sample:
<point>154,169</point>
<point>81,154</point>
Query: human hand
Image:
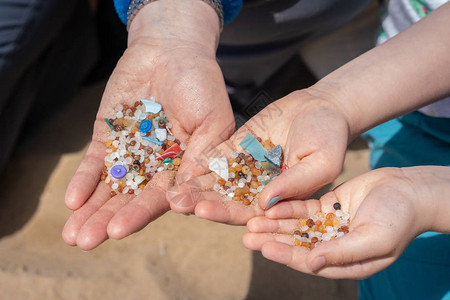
<point>173,59</point>
<point>313,133</point>
<point>388,208</point>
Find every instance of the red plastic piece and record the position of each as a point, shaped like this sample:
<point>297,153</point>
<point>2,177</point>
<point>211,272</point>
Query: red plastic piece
<point>284,168</point>
<point>172,152</point>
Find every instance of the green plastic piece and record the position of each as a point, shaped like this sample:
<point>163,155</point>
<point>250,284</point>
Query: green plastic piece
<point>109,124</point>
<point>161,118</point>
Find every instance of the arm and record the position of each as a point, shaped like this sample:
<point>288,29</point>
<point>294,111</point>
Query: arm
<point>432,185</point>
<point>409,71</point>
<point>315,125</point>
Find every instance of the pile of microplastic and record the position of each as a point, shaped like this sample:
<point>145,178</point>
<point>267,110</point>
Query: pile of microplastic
<point>244,175</point>
<point>320,228</point>
<point>140,145</point>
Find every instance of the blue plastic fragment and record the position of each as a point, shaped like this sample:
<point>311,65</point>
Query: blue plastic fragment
<point>252,145</point>
<point>152,140</point>
<point>151,106</point>
<point>274,156</point>
<point>145,126</point>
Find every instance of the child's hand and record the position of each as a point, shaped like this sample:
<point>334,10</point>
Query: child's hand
<point>313,133</point>
<point>387,210</point>
<point>185,78</point>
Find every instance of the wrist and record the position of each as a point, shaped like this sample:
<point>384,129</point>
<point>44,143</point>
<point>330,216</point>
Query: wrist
<point>431,185</point>
<point>325,97</point>
<point>189,22</point>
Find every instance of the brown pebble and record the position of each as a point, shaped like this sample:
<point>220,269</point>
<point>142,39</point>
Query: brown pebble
<point>221,181</point>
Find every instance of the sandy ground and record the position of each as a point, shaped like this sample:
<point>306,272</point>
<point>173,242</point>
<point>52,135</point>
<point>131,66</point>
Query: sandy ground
<point>176,257</point>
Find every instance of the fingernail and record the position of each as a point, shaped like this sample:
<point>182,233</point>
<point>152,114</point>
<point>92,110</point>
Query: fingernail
<point>273,201</point>
<point>318,263</point>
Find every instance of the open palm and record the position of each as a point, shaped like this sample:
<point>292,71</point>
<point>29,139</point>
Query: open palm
<point>188,83</point>
<point>313,135</point>
<point>384,213</point>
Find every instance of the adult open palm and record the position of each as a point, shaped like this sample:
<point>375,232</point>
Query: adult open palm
<point>184,77</point>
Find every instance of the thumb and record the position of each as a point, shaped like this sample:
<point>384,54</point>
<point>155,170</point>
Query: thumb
<point>357,246</point>
<point>203,145</point>
<point>301,180</point>
<point>194,175</point>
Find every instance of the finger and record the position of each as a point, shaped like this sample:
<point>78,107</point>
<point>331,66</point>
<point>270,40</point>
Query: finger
<point>358,270</point>
<point>185,203</point>
<point>87,176</point>
<point>149,205</point>
<point>294,209</point>
<point>286,254</point>
<point>299,181</point>
<point>228,212</point>
<point>296,257</point>
<point>359,245</point>
<point>209,146</point>
<point>93,232</point>
<point>255,241</point>
<point>265,225</point>
<point>183,197</point>
<point>80,216</point>
<point>204,143</point>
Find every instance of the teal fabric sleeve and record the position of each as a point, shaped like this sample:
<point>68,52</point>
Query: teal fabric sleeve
<point>231,9</point>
